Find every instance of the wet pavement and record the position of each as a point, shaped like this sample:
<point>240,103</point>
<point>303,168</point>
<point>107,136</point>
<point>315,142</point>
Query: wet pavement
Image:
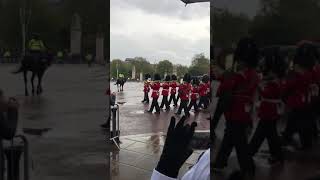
<point>62,125</point>
<point>133,119</point>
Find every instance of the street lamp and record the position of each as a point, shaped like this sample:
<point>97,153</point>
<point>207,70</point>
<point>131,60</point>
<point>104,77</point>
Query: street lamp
<point>25,14</point>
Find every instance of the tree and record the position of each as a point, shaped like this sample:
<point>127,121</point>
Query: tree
<point>228,27</point>
<point>286,21</point>
<point>181,70</point>
<point>200,65</point>
<point>164,66</point>
<point>123,68</point>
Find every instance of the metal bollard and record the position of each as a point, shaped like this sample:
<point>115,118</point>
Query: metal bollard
<point>13,155</point>
<point>115,132</point>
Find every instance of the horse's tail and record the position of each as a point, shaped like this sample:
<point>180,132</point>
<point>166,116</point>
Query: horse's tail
<point>19,70</point>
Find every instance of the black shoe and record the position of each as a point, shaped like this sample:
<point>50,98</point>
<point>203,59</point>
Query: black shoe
<point>143,101</point>
<point>158,112</point>
<point>148,111</point>
<point>209,118</point>
<point>176,113</point>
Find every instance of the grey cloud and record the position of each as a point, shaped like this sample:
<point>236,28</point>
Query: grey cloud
<point>165,7</point>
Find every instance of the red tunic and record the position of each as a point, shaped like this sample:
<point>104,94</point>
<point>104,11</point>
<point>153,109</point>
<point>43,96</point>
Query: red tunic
<point>155,89</point>
<point>194,93</point>
<point>270,100</point>
<point>243,87</point>
<point>173,86</point>
<point>208,84</point>
<point>185,91</point>
<point>146,87</point>
<point>202,89</point>
<point>165,89</point>
<point>296,90</point>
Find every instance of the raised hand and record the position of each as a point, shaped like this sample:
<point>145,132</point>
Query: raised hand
<point>176,148</point>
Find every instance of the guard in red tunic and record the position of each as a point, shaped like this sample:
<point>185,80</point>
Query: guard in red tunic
<point>203,92</point>
<point>194,94</point>
<point>173,90</point>
<point>165,93</point>
<point>146,88</point>
<point>296,90</point>
<point>184,95</point>
<point>242,86</point>
<point>155,86</point>
<point>269,109</point>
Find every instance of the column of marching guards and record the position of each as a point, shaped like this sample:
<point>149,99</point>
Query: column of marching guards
<point>267,87</point>
<point>191,93</point>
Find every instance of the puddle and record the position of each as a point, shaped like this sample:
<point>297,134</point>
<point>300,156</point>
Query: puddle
<point>137,112</point>
<point>36,132</point>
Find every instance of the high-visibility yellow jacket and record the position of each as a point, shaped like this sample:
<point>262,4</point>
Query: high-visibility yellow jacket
<point>36,45</point>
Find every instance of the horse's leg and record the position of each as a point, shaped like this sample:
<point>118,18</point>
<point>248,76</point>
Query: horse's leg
<point>32,82</point>
<point>39,89</point>
<point>25,76</point>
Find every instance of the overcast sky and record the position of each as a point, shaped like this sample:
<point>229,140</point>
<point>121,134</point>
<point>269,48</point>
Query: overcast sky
<point>159,29</point>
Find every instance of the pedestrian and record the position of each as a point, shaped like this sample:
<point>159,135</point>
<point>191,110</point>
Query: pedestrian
<point>194,95</point>
<point>203,92</point>
<point>155,86</point>
<point>296,92</point>
<point>242,84</point>
<point>165,93</point>
<point>269,109</point>
<point>173,90</point>
<point>146,88</point>
<point>106,125</point>
<point>184,95</point>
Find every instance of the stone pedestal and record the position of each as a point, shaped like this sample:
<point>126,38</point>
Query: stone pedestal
<point>141,76</point>
<point>100,48</point>
<point>75,37</point>
<point>133,77</point>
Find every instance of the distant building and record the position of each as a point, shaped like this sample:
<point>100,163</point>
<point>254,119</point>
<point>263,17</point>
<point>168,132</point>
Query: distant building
<point>129,60</point>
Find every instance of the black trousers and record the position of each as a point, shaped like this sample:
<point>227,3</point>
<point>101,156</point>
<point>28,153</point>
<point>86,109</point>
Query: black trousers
<point>174,99</point>
<point>183,106</point>
<point>146,97</point>
<point>165,102</point>
<point>155,105</point>
<point>266,129</point>
<point>203,101</point>
<point>235,135</point>
<point>300,121</point>
<point>194,104</point>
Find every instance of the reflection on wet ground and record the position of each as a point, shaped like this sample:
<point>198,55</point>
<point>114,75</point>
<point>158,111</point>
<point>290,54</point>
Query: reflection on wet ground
<point>139,155</point>
<point>62,125</point>
<point>143,136</point>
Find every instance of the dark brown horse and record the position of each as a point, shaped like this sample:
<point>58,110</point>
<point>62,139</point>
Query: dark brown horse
<point>37,65</point>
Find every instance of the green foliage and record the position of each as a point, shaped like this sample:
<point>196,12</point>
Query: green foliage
<point>200,65</point>
<point>164,67</point>
<point>181,70</point>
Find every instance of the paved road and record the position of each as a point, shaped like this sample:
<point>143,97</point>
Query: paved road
<point>72,107</point>
<point>133,119</point>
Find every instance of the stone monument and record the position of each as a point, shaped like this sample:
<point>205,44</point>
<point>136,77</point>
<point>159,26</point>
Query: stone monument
<point>133,73</point>
<point>75,36</point>
<point>100,48</point>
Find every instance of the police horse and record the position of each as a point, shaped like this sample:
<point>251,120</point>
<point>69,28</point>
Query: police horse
<point>37,64</point>
<point>120,83</point>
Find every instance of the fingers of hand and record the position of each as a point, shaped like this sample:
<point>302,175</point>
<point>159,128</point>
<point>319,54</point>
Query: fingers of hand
<point>181,122</point>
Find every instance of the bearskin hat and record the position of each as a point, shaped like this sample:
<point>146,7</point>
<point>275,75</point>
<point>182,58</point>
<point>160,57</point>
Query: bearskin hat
<point>205,78</point>
<point>306,55</point>
<point>147,76</point>
<point>247,52</point>
<point>157,77</point>
<point>274,61</point>
<point>187,78</point>
<point>195,81</point>
<point>167,78</point>
<point>174,77</point>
